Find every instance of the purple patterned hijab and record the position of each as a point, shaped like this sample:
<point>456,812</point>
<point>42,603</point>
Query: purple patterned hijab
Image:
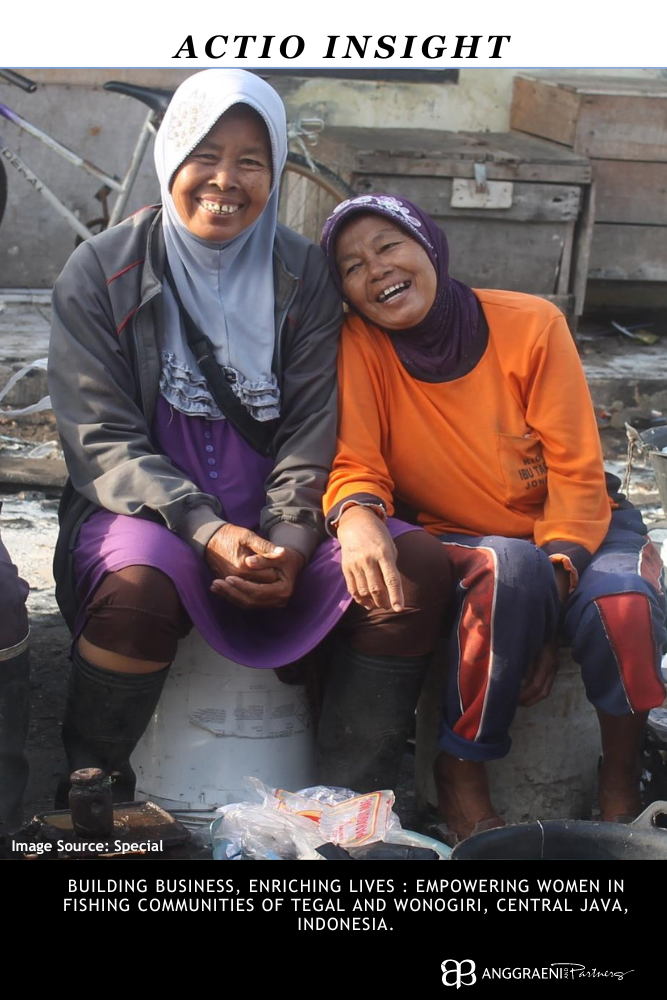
<point>436,345</point>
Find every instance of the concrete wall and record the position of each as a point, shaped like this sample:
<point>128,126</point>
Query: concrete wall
<point>35,243</point>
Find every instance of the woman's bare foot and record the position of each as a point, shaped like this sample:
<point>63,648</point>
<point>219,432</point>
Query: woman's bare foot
<point>618,781</point>
<point>618,804</point>
<point>618,790</point>
<point>464,801</point>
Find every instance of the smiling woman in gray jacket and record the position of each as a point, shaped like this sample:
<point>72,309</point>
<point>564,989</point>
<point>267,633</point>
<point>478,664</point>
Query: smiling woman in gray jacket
<point>192,373</point>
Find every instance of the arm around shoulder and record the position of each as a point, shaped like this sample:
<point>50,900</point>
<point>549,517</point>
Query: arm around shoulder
<point>306,438</point>
<point>360,471</point>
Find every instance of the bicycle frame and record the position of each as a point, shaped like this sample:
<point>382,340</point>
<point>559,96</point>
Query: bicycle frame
<point>122,187</point>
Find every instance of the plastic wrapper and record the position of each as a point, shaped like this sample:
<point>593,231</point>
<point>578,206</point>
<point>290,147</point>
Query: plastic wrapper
<point>342,816</point>
<point>290,826</point>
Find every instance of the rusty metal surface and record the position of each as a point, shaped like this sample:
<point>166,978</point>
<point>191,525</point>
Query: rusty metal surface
<point>141,831</point>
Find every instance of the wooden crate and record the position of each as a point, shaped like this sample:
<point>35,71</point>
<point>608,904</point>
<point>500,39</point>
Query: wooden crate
<point>516,210</point>
<point>630,192</point>
<point>610,118</point>
<point>629,253</point>
<point>621,124</point>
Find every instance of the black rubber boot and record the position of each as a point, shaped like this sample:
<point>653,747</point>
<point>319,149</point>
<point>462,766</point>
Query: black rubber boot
<point>14,713</point>
<point>105,717</point>
<point>367,717</point>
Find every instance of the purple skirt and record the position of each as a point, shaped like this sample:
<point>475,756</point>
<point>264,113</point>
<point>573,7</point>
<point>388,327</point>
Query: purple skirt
<point>263,638</point>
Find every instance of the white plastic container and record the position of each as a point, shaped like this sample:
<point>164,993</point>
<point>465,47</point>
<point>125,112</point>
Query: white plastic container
<point>216,723</point>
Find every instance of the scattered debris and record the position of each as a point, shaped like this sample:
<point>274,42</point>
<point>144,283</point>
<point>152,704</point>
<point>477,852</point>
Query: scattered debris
<point>27,462</point>
<point>32,471</point>
<point>623,329</point>
<point>48,449</point>
<point>636,331</point>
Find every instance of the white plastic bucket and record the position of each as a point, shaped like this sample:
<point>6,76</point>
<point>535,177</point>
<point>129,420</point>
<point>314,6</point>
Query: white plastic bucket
<point>218,722</point>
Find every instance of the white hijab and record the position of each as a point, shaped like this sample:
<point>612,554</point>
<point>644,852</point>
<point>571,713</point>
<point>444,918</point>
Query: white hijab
<point>227,288</point>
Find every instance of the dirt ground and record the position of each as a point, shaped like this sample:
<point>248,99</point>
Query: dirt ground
<point>29,530</point>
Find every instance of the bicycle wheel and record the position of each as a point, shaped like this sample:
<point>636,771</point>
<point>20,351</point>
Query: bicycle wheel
<point>3,190</point>
<point>308,197</point>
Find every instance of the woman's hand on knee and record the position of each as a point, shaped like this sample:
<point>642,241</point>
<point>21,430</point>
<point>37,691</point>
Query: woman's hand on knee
<point>247,592</point>
<point>539,678</point>
<point>236,551</point>
<point>369,560</point>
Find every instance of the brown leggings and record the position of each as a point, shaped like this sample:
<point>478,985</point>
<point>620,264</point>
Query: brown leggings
<point>137,612</point>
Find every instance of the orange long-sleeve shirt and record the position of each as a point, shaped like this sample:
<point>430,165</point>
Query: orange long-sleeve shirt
<point>510,448</point>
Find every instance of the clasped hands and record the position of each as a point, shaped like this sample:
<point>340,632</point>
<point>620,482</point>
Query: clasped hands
<point>251,572</point>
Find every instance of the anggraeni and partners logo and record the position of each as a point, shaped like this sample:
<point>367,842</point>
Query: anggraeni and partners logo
<point>464,973</point>
<point>458,973</point>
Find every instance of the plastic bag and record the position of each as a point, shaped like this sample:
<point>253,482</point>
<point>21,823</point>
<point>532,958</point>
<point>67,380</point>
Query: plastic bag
<point>43,404</point>
<point>290,826</point>
<point>250,831</point>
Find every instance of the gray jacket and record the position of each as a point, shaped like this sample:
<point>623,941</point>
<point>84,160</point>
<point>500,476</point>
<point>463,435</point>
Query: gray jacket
<point>104,369</point>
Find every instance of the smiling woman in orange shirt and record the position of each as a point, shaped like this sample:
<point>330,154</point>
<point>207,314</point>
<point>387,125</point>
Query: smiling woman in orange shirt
<point>468,411</point>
